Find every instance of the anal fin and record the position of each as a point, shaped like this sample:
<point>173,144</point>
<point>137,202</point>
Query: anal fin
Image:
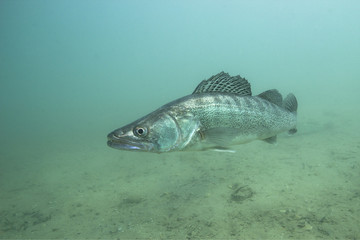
<point>271,140</point>
<point>292,131</point>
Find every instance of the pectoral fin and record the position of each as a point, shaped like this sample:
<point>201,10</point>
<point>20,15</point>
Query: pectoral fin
<point>221,137</point>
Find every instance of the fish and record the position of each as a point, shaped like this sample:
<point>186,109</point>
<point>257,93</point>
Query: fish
<point>219,114</point>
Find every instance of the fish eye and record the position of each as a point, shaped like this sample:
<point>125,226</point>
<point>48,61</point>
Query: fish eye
<point>140,131</point>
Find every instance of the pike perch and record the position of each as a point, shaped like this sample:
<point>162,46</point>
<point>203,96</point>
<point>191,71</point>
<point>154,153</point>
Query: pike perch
<point>220,112</point>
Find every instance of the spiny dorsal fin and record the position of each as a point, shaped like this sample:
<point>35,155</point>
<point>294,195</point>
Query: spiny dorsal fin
<point>223,82</point>
<point>272,96</point>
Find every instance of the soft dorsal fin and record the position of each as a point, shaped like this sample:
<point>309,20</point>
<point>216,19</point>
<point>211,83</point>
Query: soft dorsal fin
<point>272,96</point>
<point>223,82</point>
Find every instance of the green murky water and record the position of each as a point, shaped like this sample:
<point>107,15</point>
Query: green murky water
<point>72,71</point>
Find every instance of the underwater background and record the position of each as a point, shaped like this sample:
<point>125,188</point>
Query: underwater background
<point>72,71</point>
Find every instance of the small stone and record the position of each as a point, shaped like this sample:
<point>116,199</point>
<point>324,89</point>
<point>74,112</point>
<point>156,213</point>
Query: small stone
<point>308,227</point>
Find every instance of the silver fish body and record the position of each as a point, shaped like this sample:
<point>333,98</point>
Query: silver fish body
<point>221,112</point>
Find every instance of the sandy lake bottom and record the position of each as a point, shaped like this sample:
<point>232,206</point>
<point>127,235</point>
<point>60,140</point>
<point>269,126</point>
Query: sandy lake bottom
<point>307,186</point>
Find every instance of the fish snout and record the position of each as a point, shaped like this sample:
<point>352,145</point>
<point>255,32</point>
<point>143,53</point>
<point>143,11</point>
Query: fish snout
<point>117,134</point>
<point>123,140</point>
<point>114,137</point>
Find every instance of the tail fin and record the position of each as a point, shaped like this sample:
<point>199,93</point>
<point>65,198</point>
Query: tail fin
<point>290,103</point>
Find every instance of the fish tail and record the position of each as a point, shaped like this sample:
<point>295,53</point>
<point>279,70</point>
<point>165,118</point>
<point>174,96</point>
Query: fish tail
<point>290,103</point>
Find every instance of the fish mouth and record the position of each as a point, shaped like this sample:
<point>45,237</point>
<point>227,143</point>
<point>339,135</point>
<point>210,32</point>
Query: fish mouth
<point>123,143</point>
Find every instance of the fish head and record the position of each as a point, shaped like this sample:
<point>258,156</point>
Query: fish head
<point>156,132</point>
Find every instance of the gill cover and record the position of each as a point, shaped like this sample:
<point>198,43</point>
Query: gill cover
<point>169,132</point>
<point>163,132</point>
